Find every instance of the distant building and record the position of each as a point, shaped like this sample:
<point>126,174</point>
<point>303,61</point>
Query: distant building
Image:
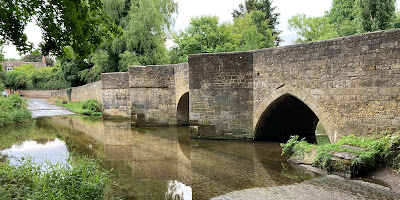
<point>9,65</point>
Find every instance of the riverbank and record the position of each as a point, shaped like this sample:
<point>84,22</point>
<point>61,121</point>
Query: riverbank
<point>351,156</point>
<point>82,178</point>
<point>89,107</point>
<point>13,110</point>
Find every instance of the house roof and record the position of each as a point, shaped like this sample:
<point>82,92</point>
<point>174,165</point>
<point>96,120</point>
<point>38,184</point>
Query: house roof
<point>19,63</point>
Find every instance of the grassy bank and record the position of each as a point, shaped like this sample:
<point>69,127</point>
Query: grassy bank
<point>89,107</point>
<point>80,179</point>
<point>349,153</point>
<point>13,109</point>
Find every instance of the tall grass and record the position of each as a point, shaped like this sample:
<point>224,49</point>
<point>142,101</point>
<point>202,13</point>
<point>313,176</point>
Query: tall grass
<point>89,107</point>
<point>13,109</point>
<point>79,179</point>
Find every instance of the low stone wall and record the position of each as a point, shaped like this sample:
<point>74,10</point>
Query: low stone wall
<point>37,93</point>
<point>81,93</point>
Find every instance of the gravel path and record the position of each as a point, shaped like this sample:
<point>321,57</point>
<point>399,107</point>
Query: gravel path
<point>42,108</point>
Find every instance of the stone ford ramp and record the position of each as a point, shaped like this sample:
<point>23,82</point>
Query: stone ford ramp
<point>41,108</point>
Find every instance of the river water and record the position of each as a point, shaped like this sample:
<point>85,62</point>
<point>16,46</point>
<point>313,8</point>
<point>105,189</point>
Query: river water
<point>163,163</point>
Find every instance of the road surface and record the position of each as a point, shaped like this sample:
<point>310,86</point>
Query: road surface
<point>41,108</point>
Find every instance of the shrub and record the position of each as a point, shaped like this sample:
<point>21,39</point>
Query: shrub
<point>16,101</point>
<point>287,148</point>
<point>1,87</point>
<point>89,107</point>
<point>92,104</point>
<point>13,110</point>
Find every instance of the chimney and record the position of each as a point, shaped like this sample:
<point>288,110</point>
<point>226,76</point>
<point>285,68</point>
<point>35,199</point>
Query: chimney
<point>44,60</point>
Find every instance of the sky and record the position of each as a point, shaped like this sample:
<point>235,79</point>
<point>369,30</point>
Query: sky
<point>221,8</point>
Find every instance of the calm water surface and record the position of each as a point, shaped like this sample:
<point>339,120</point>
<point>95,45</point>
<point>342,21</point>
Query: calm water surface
<point>162,163</point>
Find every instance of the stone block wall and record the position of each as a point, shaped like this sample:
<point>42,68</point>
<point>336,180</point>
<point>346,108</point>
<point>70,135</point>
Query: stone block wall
<point>37,93</point>
<point>152,94</point>
<point>115,94</point>
<point>352,84</point>
<point>81,93</point>
<point>220,93</point>
<point>181,80</point>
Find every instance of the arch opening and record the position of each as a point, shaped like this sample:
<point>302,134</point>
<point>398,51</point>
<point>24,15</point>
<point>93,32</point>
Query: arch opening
<point>182,114</point>
<point>284,117</point>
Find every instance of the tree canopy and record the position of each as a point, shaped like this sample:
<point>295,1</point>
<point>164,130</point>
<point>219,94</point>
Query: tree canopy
<point>312,28</point>
<point>144,24</point>
<point>206,35</point>
<point>81,24</point>
<point>36,56</point>
<point>346,17</point>
<point>266,7</point>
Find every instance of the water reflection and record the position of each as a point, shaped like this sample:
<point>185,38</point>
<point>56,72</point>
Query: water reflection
<point>163,163</point>
<point>41,151</point>
<point>178,190</point>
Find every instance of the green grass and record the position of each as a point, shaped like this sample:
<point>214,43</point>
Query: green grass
<point>13,110</point>
<point>89,107</point>
<point>79,179</point>
<point>382,150</point>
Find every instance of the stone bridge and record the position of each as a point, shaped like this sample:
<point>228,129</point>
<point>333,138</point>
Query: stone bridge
<point>351,85</point>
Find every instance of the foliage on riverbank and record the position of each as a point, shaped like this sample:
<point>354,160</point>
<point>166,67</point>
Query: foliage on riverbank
<point>79,179</point>
<point>369,152</point>
<point>27,77</point>
<point>13,109</point>
<point>90,107</point>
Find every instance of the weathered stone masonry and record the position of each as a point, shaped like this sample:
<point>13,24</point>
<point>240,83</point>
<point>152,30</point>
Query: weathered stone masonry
<point>149,95</point>
<point>351,84</point>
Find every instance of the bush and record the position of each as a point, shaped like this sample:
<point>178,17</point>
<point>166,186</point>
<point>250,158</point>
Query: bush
<point>16,101</point>
<point>92,104</point>
<point>81,179</point>
<point>13,110</point>
<point>1,87</point>
<point>28,77</point>
<point>90,107</point>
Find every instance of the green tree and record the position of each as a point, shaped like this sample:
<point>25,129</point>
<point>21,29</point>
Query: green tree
<point>312,28</point>
<point>252,32</point>
<point>1,51</point>
<point>375,15</point>
<point>396,23</point>
<point>342,15</point>
<point>36,56</point>
<point>80,24</point>
<point>203,35</point>
<point>266,7</point>
<point>144,24</point>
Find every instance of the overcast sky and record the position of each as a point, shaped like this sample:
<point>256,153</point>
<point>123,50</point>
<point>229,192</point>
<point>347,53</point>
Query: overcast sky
<point>220,8</point>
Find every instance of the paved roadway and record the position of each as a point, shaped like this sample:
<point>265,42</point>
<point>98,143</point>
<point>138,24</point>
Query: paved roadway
<point>41,108</point>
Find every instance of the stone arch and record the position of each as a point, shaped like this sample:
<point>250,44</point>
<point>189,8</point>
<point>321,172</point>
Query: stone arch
<point>298,99</point>
<point>182,110</point>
